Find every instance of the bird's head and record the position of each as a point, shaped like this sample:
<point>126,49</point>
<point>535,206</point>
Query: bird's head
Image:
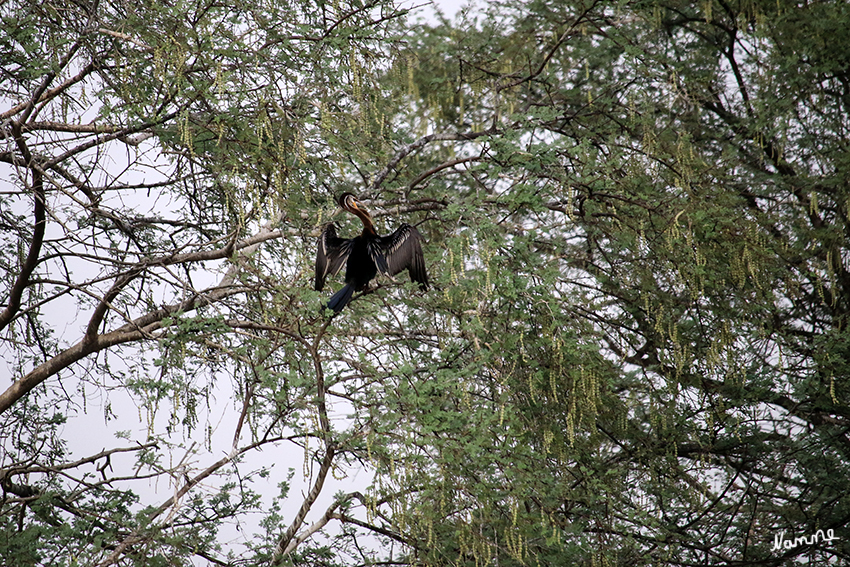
<point>350,203</point>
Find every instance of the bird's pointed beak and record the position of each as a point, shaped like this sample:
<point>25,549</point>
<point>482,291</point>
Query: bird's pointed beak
<point>360,207</point>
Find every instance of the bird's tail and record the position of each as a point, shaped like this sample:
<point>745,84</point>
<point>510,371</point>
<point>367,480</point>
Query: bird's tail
<point>341,298</point>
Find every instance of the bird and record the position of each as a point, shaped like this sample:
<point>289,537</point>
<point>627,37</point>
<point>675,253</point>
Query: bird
<point>366,255</point>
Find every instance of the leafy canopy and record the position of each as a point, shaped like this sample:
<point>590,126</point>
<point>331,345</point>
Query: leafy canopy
<point>635,351</point>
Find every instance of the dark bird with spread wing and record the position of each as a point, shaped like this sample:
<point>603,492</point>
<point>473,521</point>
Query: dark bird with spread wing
<point>367,254</point>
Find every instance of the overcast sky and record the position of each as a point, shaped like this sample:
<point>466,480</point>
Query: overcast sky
<point>450,7</point>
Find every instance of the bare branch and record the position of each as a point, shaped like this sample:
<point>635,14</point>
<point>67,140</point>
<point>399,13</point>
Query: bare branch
<point>422,177</point>
<point>39,222</point>
<point>284,544</point>
<point>381,176</point>
<point>43,95</point>
<point>104,305</point>
<point>175,500</point>
<point>85,460</point>
<point>50,126</point>
<point>373,528</point>
<point>561,39</point>
<point>318,524</point>
<point>118,35</point>
<point>124,133</point>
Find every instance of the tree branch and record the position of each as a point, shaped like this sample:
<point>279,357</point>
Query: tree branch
<point>319,524</point>
<point>42,94</point>
<point>284,544</point>
<point>105,303</point>
<point>422,177</point>
<point>137,537</point>
<point>561,39</point>
<point>381,176</point>
<point>119,135</point>
<point>22,281</point>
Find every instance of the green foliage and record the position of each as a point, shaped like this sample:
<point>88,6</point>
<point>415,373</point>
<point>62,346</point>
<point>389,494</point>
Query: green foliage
<point>634,350</point>
<point>647,286</point>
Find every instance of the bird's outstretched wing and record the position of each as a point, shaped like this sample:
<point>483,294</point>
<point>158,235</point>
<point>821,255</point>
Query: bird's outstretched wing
<point>403,250</point>
<point>331,255</point>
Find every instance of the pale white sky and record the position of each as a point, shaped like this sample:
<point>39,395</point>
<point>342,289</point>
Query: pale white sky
<point>450,7</point>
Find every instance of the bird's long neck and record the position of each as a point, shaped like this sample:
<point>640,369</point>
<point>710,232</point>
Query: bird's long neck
<point>368,225</point>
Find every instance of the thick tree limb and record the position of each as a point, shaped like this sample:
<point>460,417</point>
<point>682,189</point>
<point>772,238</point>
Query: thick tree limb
<point>39,221</point>
<point>105,303</point>
<point>92,128</point>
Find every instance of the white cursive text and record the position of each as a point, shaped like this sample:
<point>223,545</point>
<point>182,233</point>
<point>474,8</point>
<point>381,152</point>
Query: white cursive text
<point>779,541</point>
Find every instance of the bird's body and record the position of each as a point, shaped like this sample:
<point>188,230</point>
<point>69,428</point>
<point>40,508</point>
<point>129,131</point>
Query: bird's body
<point>360,269</point>
<point>366,255</point>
